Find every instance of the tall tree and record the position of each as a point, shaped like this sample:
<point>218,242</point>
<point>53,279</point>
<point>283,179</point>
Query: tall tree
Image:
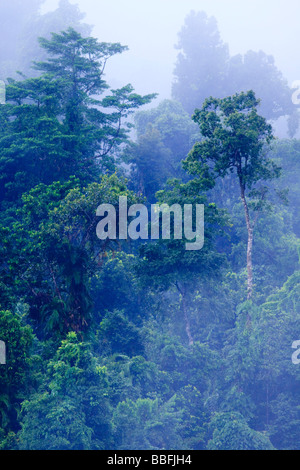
<point>61,124</point>
<point>234,140</point>
<point>205,68</point>
<point>201,62</point>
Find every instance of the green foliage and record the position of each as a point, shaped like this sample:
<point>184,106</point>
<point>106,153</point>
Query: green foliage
<point>234,138</point>
<point>165,135</point>
<point>231,432</point>
<point>152,161</point>
<point>56,125</point>
<point>57,251</point>
<point>14,376</point>
<point>73,411</point>
<point>168,261</point>
<point>116,286</point>
<point>144,425</point>
<point>117,334</point>
<point>119,345</point>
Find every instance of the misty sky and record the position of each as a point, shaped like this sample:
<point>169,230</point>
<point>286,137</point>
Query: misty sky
<point>150,30</point>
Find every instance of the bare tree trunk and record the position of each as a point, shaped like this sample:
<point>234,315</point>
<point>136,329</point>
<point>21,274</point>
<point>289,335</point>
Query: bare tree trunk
<point>185,314</point>
<point>249,245</point>
<point>249,263</point>
<point>187,321</point>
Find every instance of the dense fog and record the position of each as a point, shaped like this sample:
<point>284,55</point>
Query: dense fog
<point>149,225</point>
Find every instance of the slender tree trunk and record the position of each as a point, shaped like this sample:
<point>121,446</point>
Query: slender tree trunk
<point>187,321</point>
<point>186,316</point>
<point>267,406</point>
<point>249,245</point>
<point>249,263</point>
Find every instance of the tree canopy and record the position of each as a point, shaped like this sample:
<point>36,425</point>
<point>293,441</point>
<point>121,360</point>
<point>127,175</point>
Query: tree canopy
<point>180,342</point>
